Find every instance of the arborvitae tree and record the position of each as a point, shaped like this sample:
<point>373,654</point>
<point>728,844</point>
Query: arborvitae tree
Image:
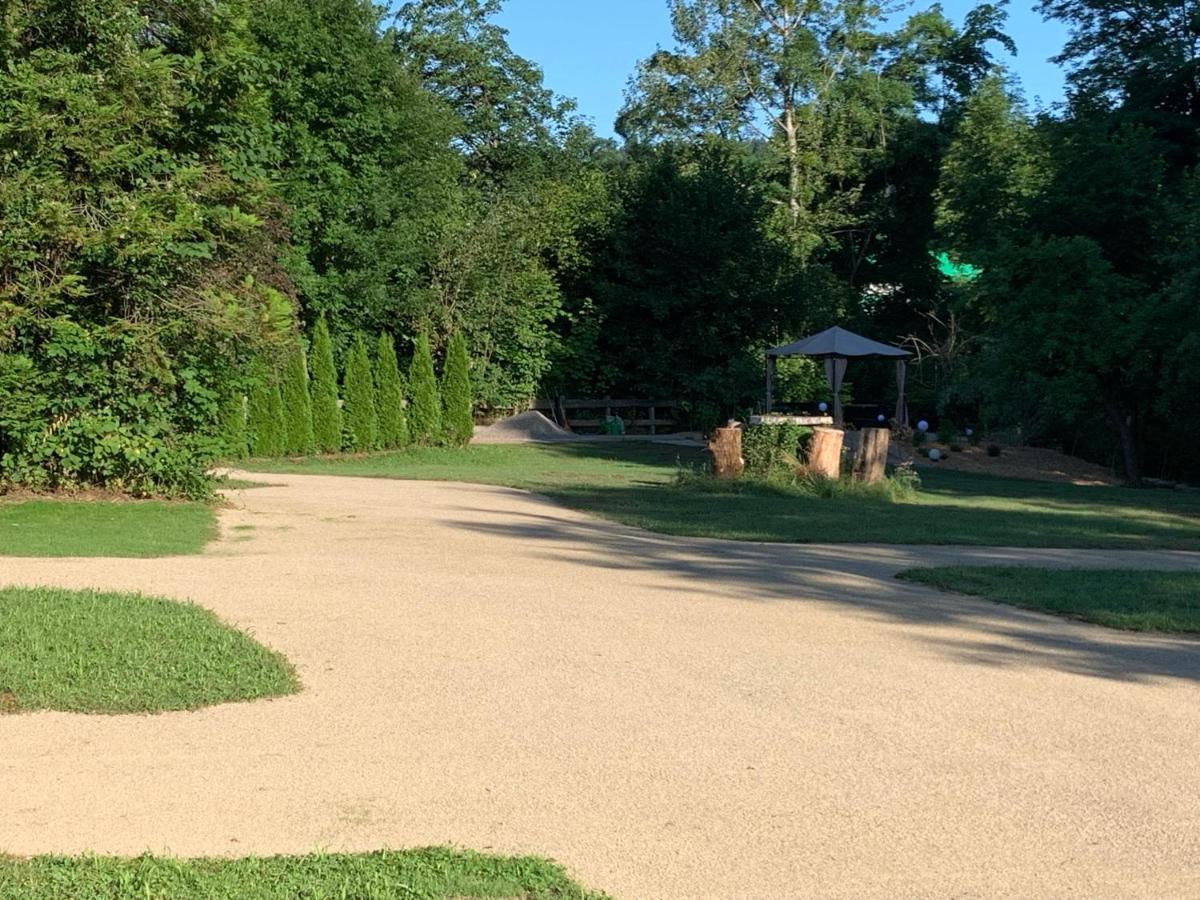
<point>265,414</point>
<point>297,404</point>
<point>425,408</point>
<point>389,388</point>
<point>327,417</point>
<point>233,426</point>
<point>362,416</point>
<point>458,420</point>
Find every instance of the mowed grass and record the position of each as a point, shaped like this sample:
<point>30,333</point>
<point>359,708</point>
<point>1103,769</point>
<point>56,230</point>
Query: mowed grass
<point>89,652</point>
<point>1130,600</point>
<point>60,528</point>
<point>430,873</point>
<point>634,484</point>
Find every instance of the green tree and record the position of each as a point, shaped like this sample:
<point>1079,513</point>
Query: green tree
<point>233,426</point>
<point>327,415</point>
<point>458,419</point>
<point>389,387</point>
<point>265,417</point>
<point>297,403</point>
<point>425,408</point>
<point>362,415</point>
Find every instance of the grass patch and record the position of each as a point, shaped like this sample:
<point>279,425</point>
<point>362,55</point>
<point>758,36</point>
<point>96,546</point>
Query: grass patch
<point>82,651</point>
<point>135,529</point>
<point>431,873</point>
<point>1130,600</point>
<point>635,484</point>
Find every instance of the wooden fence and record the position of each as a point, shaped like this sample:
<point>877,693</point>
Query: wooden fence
<point>636,414</point>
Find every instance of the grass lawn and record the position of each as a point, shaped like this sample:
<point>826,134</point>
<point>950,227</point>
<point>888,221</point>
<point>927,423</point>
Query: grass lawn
<point>433,873</point>
<point>633,483</point>
<point>1131,600</point>
<point>81,651</point>
<point>104,528</point>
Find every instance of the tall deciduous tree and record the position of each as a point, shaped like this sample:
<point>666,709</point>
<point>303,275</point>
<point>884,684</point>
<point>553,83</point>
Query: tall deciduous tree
<point>425,408</point>
<point>458,420</point>
<point>327,415</point>
<point>389,388</point>
<point>362,415</point>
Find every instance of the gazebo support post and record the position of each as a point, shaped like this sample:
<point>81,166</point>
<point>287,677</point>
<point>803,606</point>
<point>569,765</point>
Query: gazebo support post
<point>770,384</point>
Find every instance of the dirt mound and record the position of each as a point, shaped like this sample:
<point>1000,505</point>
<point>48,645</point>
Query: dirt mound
<point>521,428</point>
<point>1033,463</point>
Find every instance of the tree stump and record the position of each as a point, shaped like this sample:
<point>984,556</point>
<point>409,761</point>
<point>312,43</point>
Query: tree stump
<point>870,463</point>
<point>825,455</point>
<point>725,445</point>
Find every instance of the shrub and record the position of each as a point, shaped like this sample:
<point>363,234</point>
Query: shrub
<point>458,420</point>
<point>233,426</point>
<point>264,417</point>
<point>994,450</point>
<point>425,409</point>
<point>327,416</point>
<point>947,434</point>
<point>918,438</point>
<point>297,404</point>
<point>360,411</point>
<point>770,449</point>
<point>389,392</point>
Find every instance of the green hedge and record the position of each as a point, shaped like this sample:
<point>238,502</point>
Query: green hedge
<point>772,448</point>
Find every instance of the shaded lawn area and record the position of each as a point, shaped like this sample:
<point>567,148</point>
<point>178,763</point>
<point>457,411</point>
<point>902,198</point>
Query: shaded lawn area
<point>135,529</point>
<point>430,873</point>
<point>1130,600</point>
<point>89,652</point>
<point>633,484</point>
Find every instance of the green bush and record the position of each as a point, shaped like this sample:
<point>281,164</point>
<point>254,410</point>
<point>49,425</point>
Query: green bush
<point>771,449</point>
<point>297,404</point>
<point>327,415</point>
<point>459,420</point>
<point>264,418</point>
<point>233,426</point>
<point>360,411</point>
<point>425,409</point>
<point>389,391</point>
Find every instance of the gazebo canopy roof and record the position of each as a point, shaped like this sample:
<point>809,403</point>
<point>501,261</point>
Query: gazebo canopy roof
<point>838,343</point>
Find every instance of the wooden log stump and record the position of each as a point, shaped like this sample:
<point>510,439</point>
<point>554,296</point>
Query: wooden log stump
<point>870,463</point>
<point>825,455</point>
<point>725,445</point>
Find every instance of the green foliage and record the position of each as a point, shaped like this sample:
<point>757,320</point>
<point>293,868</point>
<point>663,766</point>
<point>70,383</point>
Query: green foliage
<point>361,413</point>
<point>141,654</point>
<point>771,449</point>
<point>327,414</point>
<point>234,434</point>
<point>458,419</point>
<point>425,406</point>
<point>265,416</point>
<point>389,392</point>
<point>297,404</point>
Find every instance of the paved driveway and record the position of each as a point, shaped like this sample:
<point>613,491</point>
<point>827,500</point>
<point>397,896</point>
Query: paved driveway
<point>667,717</point>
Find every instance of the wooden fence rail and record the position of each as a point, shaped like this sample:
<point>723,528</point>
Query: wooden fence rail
<point>645,412</point>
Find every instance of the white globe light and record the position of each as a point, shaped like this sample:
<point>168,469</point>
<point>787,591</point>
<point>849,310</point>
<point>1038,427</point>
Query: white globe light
<point>881,418</point>
<point>922,425</point>
<point>823,407</point>
<point>935,454</point>
<point>970,432</point>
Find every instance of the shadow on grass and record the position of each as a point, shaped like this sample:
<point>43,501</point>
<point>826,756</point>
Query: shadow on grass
<point>863,583</point>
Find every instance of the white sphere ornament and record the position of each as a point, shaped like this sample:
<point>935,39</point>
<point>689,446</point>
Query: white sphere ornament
<point>881,418</point>
<point>935,454</point>
<point>970,432</point>
<point>823,407</point>
<point>922,425</point>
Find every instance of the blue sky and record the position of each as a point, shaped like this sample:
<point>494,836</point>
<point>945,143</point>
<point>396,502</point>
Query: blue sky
<point>589,49</point>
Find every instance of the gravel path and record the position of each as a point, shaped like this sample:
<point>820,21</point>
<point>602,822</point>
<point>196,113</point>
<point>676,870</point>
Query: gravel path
<point>667,717</point>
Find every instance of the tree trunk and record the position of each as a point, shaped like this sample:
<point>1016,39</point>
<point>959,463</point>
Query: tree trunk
<point>726,448</point>
<point>870,463</point>
<point>825,455</point>
<point>1123,422</point>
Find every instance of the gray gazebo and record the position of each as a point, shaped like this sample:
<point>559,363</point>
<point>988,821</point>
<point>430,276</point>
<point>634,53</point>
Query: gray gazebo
<point>837,347</point>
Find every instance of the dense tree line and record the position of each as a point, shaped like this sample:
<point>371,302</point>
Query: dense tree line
<point>265,226</point>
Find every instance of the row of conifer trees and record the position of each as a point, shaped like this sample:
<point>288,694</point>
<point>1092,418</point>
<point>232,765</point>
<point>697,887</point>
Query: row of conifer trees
<point>293,409</point>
